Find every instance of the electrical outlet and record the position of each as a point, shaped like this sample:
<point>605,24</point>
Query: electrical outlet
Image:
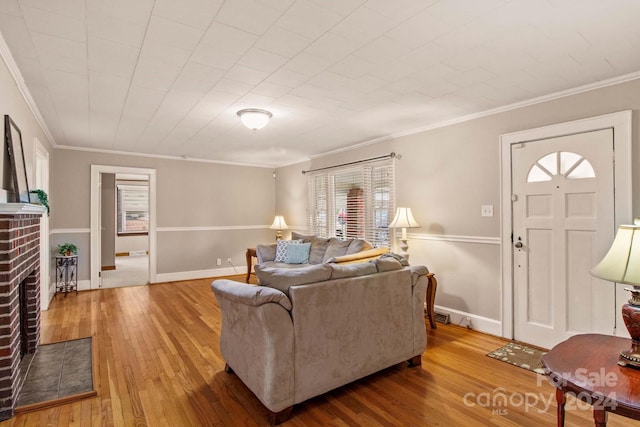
<point>228,260</point>
<point>219,261</point>
<point>486,210</point>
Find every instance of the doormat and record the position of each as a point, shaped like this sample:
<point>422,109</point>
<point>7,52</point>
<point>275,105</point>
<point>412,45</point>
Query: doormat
<point>58,373</point>
<point>521,356</point>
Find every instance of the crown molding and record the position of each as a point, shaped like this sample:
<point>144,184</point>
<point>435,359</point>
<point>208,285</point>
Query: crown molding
<point>7,57</point>
<point>545,98</point>
<point>160,156</point>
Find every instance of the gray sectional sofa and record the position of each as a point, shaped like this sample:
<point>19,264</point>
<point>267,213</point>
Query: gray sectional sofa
<point>308,330</point>
<point>331,250</point>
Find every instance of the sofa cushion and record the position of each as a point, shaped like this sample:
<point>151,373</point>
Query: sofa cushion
<point>318,246</point>
<point>340,271</point>
<point>402,260</point>
<point>266,253</point>
<point>281,249</point>
<point>298,254</point>
<point>387,264</point>
<point>335,248</point>
<point>283,278</point>
<point>358,245</point>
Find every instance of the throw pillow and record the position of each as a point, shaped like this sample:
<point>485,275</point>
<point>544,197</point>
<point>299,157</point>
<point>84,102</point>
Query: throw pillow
<point>281,249</point>
<point>298,254</point>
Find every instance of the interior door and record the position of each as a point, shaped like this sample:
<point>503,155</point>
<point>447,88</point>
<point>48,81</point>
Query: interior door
<point>563,223</point>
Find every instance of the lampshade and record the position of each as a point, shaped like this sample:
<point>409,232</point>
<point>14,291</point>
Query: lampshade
<point>254,118</point>
<point>404,218</point>
<point>622,263</point>
<point>278,223</point>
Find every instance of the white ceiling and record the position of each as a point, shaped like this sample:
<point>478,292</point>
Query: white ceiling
<point>166,77</point>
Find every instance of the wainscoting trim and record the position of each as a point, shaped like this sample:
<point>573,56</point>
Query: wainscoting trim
<point>485,240</point>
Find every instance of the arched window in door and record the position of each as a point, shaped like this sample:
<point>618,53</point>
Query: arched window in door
<point>565,163</point>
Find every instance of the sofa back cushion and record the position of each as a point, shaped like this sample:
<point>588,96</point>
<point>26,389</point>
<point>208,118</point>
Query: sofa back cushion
<point>387,264</point>
<point>341,271</point>
<point>335,248</point>
<point>283,278</point>
<point>318,246</point>
<point>358,245</point>
<point>266,252</point>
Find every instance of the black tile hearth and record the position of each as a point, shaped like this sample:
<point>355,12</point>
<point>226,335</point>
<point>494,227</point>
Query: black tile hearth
<point>58,371</point>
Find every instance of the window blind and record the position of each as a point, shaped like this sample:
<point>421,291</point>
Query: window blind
<point>133,208</point>
<point>353,202</point>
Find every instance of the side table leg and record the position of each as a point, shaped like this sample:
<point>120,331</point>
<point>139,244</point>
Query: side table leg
<point>600,417</point>
<point>248,256</point>
<point>432,286</point>
<point>560,399</point>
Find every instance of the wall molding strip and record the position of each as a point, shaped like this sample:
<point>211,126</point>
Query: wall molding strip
<point>69,230</point>
<point>484,240</point>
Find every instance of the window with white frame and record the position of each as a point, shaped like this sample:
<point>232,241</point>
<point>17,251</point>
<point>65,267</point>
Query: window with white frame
<point>133,209</point>
<point>353,202</point>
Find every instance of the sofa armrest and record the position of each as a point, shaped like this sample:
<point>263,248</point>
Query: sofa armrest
<point>419,283</point>
<point>266,252</point>
<point>256,340</point>
<point>249,294</point>
<point>416,272</point>
<point>361,256</point>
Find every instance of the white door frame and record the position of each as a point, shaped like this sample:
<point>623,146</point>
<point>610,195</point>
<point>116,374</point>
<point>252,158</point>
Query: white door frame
<point>620,122</point>
<point>96,170</point>
<point>41,180</point>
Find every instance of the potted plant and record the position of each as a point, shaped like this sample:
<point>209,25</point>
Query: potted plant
<point>67,249</point>
<point>40,196</point>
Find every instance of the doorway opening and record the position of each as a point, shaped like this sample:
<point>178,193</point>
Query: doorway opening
<point>124,242</point>
<point>123,226</point>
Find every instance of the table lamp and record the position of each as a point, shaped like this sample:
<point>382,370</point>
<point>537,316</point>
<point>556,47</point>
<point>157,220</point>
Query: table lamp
<point>404,219</point>
<point>622,265</point>
<point>279,225</point>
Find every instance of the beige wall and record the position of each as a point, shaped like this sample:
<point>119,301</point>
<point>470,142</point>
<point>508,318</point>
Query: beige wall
<point>13,103</point>
<point>194,196</point>
<point>131,243</point>
<point>446,174</point>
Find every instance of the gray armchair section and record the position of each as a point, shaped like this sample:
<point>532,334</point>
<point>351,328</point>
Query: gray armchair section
<point>323,335</point>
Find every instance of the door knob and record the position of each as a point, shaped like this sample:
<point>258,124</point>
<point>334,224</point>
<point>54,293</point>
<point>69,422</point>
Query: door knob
<point>519,244</point>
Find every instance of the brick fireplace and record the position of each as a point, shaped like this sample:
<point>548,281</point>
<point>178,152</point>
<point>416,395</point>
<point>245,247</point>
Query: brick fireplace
<point>19,296</point>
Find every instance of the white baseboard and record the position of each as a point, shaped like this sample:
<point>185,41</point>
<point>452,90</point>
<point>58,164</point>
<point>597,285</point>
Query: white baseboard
<point>478,323</point>
<point>84,285</point>
<point>199,274</point>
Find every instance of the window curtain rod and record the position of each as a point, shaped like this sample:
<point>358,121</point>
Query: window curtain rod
<point>391,155</point>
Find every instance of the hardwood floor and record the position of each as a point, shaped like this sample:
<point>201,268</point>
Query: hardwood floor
<point>157,363</point>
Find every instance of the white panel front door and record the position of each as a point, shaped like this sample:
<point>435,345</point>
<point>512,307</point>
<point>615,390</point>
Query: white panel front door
<point>563,223</point>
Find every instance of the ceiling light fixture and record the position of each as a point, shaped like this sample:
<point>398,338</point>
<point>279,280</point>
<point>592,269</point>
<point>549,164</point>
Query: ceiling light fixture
<point>254,118</point>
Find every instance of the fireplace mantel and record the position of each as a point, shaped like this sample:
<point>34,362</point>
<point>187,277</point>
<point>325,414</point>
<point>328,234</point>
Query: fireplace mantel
<point>21,209</point>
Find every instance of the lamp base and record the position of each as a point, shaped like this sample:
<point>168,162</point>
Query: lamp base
<point>404,247</point>
<point>631,357</point>
<point>631,317</point>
